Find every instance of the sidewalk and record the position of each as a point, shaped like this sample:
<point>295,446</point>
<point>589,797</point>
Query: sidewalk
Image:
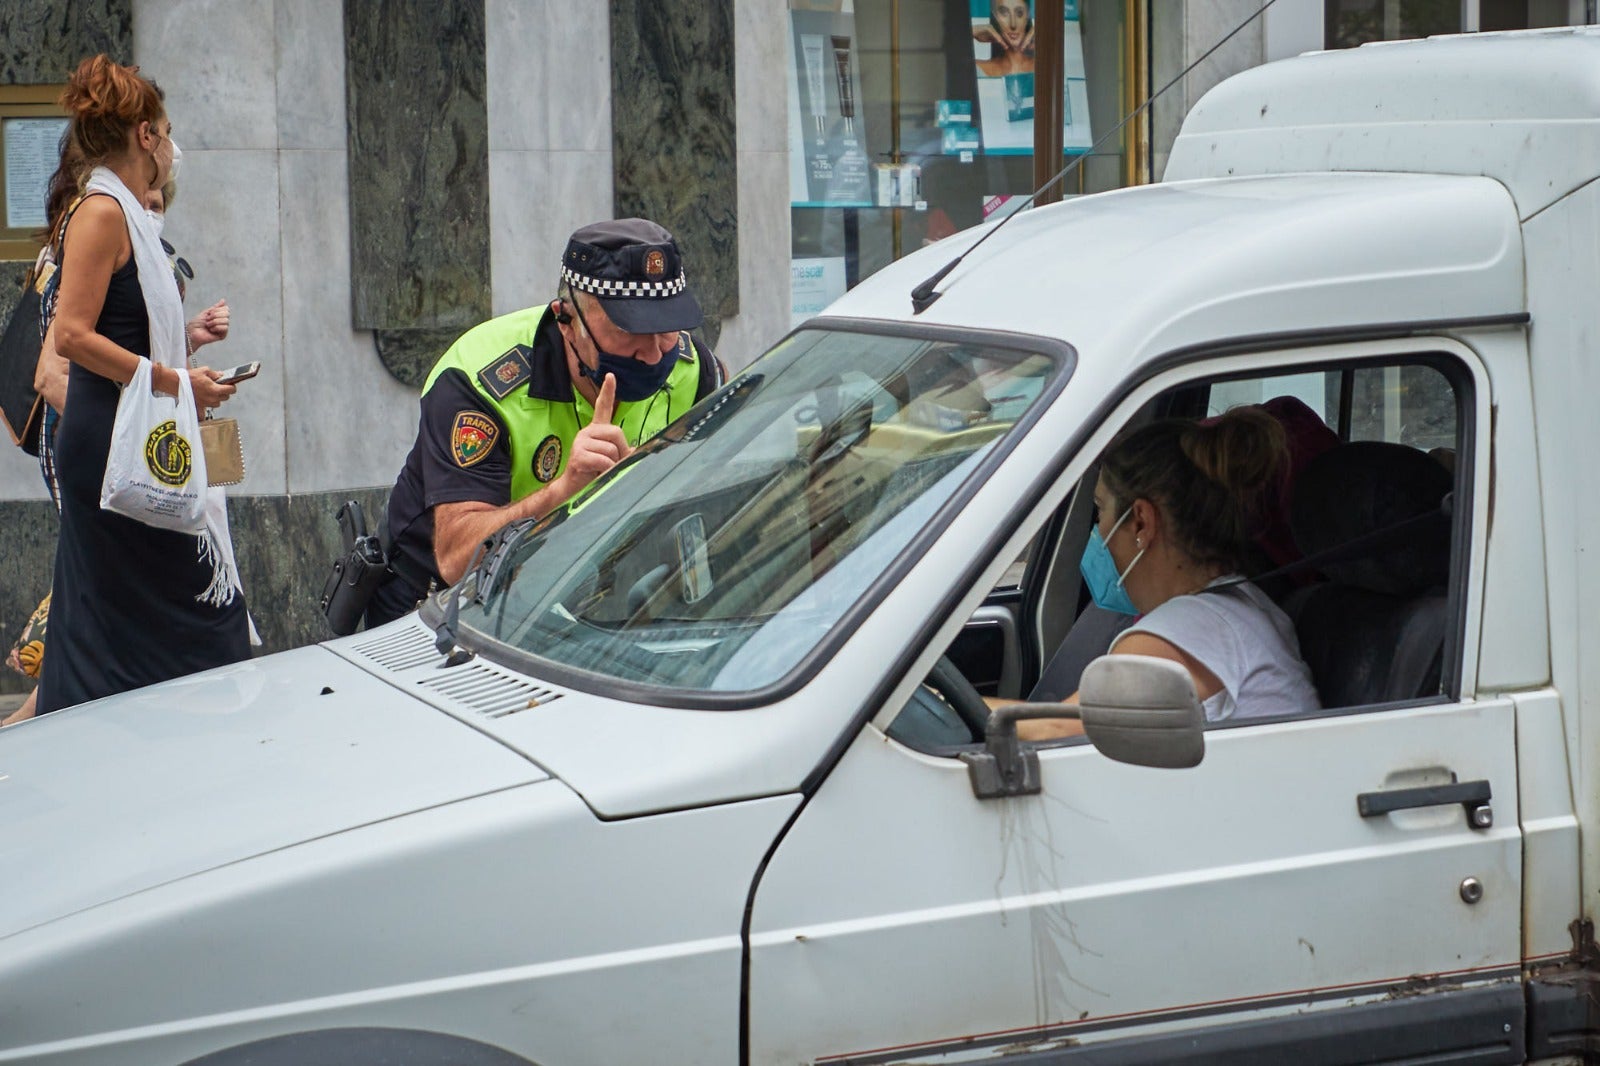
<point>10,702</point>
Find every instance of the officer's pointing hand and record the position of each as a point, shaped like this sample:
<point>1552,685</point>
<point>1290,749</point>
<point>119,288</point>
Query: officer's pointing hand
<point>605,405</point>
<point>599,446</point>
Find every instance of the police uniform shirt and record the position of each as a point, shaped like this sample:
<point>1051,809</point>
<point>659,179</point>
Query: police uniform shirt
<point>445,465</point>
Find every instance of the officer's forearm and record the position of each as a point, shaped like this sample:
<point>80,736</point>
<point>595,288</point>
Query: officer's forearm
<point>458,528</point>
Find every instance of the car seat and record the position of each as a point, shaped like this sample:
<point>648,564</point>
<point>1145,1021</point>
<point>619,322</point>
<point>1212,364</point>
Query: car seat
<point>1374,631</point>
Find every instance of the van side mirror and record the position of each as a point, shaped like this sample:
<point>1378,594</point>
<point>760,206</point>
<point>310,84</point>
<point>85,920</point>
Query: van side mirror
<point>1134,708</point>
<point>1141,710</point>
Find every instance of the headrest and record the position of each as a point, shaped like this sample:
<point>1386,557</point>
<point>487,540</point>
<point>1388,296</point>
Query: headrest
<point>1365,486</point>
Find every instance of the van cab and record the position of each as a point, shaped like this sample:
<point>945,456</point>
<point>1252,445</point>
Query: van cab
<point>695,770</point>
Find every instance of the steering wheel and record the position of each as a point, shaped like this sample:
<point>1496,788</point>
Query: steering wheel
<point>960,694</point>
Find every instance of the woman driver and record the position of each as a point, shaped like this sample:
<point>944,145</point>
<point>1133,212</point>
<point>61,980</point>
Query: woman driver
<point>1175,503</point>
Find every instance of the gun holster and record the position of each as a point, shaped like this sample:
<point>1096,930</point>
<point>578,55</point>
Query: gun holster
<point>356,574</point>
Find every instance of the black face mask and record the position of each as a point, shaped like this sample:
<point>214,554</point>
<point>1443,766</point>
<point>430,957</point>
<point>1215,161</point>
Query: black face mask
<point>635,380</point>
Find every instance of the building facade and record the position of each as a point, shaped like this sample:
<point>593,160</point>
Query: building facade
<point>363,181</point>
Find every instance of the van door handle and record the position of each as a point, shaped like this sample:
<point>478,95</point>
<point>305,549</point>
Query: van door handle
<point>1472,795</point>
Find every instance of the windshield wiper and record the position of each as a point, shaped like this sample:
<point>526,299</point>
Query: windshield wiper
<point>444,636</point>
<point>484,571</point>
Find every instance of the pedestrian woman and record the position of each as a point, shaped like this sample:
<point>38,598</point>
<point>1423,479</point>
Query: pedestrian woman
<point>51,375</point>
<point>131,605</point>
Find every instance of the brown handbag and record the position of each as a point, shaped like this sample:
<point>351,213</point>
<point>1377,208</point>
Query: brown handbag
<point>224,451</point>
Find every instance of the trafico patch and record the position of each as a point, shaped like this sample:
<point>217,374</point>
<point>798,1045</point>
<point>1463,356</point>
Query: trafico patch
<point>547,459</point>
<point>472,438</point>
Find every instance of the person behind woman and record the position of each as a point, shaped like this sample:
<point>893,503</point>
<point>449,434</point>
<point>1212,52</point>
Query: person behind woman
<point>1177,503</point>
<point>131,605</point>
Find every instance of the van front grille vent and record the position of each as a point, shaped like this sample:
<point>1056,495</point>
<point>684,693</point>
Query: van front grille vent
<point>486,691</point>
<point>404,650</point>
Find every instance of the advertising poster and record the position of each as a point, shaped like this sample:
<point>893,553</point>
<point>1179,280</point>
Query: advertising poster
<point>1002,49</point>
<point>813,285</point>
<point>827,150</point>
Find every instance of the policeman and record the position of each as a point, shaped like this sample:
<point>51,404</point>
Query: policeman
<point>525,410</point>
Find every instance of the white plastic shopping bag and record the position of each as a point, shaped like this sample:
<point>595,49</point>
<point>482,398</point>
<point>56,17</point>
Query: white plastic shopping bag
<point>156,469</point>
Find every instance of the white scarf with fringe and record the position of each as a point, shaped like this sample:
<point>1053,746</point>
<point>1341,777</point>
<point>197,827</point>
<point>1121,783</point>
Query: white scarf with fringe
<point>168,349</point>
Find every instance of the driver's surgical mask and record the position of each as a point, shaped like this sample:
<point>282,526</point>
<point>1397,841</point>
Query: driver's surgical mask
<point>1099,570</point>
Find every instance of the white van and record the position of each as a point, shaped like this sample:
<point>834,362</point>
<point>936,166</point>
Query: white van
<point>685,789</point>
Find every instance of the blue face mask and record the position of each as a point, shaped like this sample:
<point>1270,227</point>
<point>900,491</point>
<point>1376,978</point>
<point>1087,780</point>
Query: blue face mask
<point>1099,571</point>
<point>635,380</point>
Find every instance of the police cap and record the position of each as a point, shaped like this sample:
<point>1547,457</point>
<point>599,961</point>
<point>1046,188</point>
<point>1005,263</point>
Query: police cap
<point>633,267</point>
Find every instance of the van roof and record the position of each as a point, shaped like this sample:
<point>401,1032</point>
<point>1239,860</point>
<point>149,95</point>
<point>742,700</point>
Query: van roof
<point>1522,108</point>
<point>1126,276</point>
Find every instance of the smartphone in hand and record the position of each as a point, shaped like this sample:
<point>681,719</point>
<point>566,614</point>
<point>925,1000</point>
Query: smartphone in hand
<point>242,372</point>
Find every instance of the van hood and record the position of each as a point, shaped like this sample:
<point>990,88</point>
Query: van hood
<point>133,791</point>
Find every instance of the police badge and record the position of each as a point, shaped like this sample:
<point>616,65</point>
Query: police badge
<point>547,459</point>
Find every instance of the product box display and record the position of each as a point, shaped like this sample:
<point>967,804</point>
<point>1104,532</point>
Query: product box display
<point>952,113</point>
<point>896,185</point>
<point>957,139</point>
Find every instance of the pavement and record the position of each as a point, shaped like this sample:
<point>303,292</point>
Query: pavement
<point>10,701</point>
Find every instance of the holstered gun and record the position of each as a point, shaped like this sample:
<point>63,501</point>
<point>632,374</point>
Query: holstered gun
<point>356,574</point>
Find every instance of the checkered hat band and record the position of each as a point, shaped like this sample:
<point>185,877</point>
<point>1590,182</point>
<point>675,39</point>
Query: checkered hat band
<point>604,287</point>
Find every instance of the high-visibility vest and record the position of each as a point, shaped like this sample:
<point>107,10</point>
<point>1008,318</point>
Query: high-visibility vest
<point>539,431</point>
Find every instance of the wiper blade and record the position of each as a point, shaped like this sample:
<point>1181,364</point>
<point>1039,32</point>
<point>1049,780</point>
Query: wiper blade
<point>483,570</point>
<point>444,637</point>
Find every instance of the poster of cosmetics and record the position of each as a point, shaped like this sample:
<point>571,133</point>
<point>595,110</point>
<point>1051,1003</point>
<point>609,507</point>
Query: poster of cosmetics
<point>1002,49</point>
<point>828,164</point>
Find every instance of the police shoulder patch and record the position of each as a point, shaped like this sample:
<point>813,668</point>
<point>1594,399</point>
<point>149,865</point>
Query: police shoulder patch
<point>547,459</point>
<point>472,438</point>
<point>507,372</point>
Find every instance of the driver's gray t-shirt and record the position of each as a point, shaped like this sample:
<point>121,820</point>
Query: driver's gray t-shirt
<point>1241,636</point>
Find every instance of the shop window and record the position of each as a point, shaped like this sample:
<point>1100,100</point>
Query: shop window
<point>1352,22</point>
<point>910,120</point>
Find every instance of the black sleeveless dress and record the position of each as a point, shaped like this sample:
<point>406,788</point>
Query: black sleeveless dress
<point>123,612</point>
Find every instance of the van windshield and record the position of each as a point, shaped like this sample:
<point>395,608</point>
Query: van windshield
<point>725,549</point>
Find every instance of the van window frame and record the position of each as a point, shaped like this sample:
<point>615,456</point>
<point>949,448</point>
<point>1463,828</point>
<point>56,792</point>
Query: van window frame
<point>1426,343</point>
<point>1463,390</point>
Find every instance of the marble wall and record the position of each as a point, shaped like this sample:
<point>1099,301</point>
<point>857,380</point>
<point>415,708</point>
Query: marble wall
<point>284,546</point>
<point>41,41</point>
<point>419,185</point>
<point>1181,31</point>
<point>760,35</point>
<point>550,156</point>
<point>674,138</point>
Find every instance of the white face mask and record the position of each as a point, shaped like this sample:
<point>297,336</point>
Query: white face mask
<point>177,157</point>
<point>157,219</point>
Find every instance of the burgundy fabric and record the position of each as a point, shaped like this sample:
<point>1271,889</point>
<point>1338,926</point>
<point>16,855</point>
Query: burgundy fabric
<point>1308,436</point>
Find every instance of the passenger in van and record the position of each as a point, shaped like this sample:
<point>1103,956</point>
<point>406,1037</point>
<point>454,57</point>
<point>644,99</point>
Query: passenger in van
<point>1176,505</point>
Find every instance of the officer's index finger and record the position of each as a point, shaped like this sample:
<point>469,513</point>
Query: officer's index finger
<point>605,404</point>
